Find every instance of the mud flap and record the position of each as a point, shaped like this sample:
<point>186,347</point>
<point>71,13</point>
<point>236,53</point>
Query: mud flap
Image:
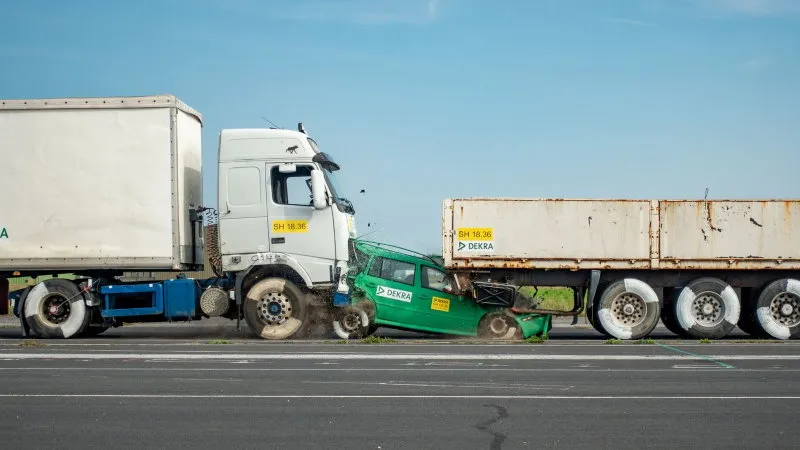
<point>535,325</point>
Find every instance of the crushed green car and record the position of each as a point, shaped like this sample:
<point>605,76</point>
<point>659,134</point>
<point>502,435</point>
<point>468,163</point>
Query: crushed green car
<point>397,288</point>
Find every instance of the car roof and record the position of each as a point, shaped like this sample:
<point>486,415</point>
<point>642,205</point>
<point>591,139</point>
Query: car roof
<point>390,251</point>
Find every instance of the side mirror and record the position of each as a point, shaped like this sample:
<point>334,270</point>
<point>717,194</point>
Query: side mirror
<point>318,189</point>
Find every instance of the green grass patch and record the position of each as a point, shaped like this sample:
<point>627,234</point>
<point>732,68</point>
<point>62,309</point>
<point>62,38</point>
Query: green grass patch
<point>31,343</point>
<point>376,340</point>
<point>705,341</point>
<point>554,298</point>
<point>536,340</point>
<point>219,342</point>
<point>645,341</point>
<point>613,341</point>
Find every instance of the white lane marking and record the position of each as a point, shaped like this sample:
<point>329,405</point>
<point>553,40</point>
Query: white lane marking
<point>697,366</point>
<point>555,387</point>
<point>424,397</point>
<point>366,369</point>
<point>398,356</point>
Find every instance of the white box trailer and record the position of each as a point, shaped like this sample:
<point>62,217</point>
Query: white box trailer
<point>704,266</point>
<point>94,183</point>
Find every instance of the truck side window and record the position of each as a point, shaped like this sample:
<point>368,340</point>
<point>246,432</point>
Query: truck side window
<point>292,188</point>
<point>433,279</point>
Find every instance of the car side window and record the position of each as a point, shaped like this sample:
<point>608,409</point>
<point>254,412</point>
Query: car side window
<point>433,279</point>
<point>375,268</point>
<point>393,270</point>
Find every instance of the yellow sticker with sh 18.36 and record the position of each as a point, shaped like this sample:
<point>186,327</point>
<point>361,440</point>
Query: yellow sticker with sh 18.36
<point>475,234</point>
<point>440,304</point>
<point>290,226</point>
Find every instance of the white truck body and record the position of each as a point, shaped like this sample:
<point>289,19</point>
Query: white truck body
<point>93,183</point>
<point>621,234</point>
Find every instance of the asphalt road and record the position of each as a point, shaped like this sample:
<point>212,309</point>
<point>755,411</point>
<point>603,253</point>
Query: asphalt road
<point>161,390</point>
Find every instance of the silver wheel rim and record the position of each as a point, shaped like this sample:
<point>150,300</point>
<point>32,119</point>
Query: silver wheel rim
<point>498,326</point>
<point>55,309</point>
<point>274,308</point>
<point>351,322</point>
<point>708,309</point>
<point>628,309</point>
<point>785,309</point>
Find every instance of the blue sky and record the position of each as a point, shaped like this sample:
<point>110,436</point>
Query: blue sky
<point>422,100</point>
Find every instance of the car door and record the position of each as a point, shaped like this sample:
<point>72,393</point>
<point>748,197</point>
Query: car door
<point>444,312</point>
<point>390,285</point>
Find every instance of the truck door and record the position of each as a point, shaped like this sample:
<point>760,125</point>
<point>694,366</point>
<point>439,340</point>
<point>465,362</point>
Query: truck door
<point>242,209</point>
<point>445,312</point>
<point>296,228</point>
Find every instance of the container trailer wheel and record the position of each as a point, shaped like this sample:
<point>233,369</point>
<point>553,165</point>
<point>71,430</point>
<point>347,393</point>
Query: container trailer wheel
<point>777,309</point>
<point>627,309</point>
<point>706,308</point>
<point>55,308</point>
<point>275,308</point>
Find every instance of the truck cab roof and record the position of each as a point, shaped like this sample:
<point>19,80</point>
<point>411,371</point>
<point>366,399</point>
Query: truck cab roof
<point>266,143</point>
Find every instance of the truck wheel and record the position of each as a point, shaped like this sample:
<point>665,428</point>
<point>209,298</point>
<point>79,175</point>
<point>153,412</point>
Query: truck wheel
<point>498,326</point>
<point>777,309</point>
<point>707,308</point>
<point>275,308</point>
<point>55,308</point>
<point>627,309</point>
<point>351,322</point>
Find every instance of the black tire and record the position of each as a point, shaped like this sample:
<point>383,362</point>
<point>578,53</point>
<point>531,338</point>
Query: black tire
<point>627,309</point>
<point>289,319</point>
<point>351,322</point>
<point>498,326</point>
<point>706,308</point>
<point>777,309</point>
<point>56,309</point>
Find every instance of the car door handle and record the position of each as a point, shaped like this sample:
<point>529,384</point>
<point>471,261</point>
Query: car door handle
<point>279,240</point>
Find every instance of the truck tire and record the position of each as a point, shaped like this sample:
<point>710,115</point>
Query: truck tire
<point>627,309</point>
<point>275,308</point>
<point>706,308</point>
<point>55,308</point>
<point>777,309</point>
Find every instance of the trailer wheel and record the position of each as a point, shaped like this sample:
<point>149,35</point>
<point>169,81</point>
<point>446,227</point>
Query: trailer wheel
<point>275,308</point>
<point>627,309</point>
<point>351,322</point>
<point>55,308</point>
<point>777,309</point>
<point>498,326</point>
<point>707,308</point>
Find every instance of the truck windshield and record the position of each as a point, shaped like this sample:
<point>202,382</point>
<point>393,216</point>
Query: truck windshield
<point>344,204</point>
<point>328,168</point>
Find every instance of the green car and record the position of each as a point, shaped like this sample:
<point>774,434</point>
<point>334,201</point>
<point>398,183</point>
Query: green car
<point>398,289</point>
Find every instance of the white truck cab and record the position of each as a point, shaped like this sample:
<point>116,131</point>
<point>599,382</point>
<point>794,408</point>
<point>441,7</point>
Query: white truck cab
<point>282,219</point>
